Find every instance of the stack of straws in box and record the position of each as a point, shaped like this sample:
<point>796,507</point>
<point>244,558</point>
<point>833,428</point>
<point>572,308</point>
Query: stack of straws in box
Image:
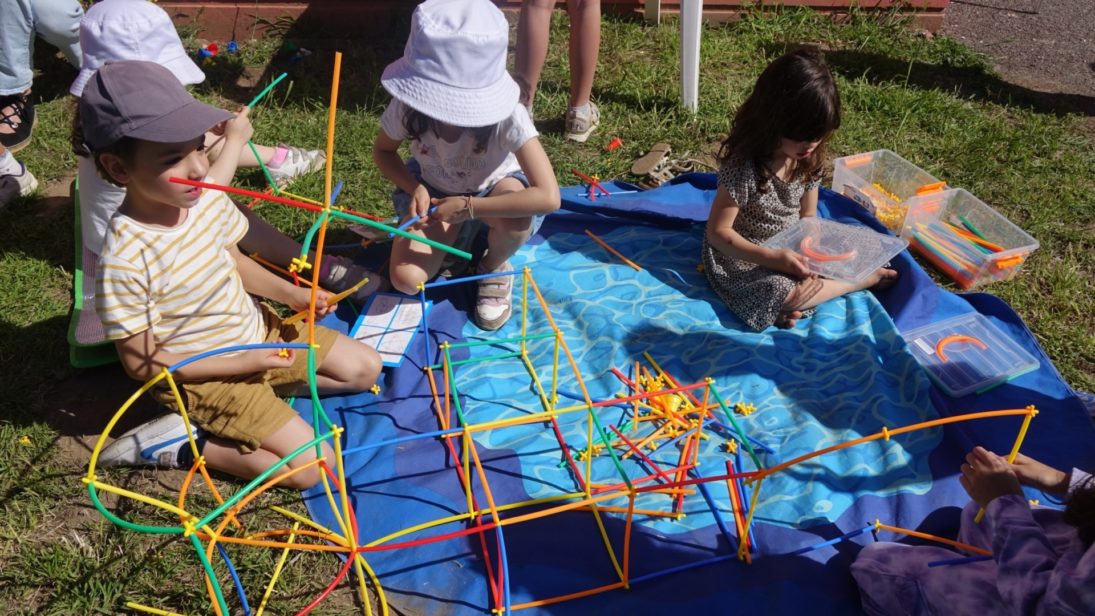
<point>961,251</point>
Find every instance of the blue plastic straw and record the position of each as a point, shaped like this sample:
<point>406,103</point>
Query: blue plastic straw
<point>334,192</point>
<point>403,439</point>
<point>233,349</point>
<point>505,568</point>
<point>844,537</point>
<point>958,561</point>
<point>730,538</point>
<point>729,431</point>
<point>410,221</point>
<point>235,580</point>
<point>445,283</point>
<point>739,467</point>
<point>576,396</point>
<point>684,567</point>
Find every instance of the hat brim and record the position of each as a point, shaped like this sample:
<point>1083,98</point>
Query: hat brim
<point>183,124</point>
<point>182,67</point>
<point>463,107</point>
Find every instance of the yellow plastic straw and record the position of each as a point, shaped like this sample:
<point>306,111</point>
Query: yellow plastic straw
<point>150,610</point>
<point>1031,412</point>
<point>277,570</point>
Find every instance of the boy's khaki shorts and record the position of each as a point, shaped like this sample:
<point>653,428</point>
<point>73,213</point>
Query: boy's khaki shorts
<point>245,408</point>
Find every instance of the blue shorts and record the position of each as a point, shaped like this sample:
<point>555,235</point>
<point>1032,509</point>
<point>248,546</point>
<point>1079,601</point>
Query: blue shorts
<point>468,230</point>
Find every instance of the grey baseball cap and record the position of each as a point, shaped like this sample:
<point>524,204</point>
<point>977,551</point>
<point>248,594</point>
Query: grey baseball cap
<point>142,100</point>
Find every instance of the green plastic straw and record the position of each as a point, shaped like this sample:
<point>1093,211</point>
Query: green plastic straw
<point>730,416</point>
<point>208,566</point>
<point>974,230</point>
<point>266,90</point>
<point>417,238</point>
<point>262,165</point>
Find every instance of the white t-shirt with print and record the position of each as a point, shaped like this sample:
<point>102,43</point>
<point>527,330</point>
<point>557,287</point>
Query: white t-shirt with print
<point>456,168</point>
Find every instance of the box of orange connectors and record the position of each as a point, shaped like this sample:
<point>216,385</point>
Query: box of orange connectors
<point>882,182</point>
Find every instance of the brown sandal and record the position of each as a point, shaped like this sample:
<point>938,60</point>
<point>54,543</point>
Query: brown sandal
<point>651,160</point>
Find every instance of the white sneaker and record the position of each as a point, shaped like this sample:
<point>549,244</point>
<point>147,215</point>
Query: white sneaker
<point>156,443</point>
<point>297,162</point>
<point>579,126</point>
<point>27,182</point>
<point>339,273</point>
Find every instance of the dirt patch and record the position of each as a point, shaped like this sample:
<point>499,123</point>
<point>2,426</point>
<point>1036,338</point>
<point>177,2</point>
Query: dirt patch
<point>1045,46</point>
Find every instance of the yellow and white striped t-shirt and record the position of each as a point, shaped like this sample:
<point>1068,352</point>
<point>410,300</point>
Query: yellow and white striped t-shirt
<point>181,282</point>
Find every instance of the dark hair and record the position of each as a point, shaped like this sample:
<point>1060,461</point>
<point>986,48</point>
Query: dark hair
<point>416,123</point>
<point>124,148</point>
<point>794,98</point>
<point>1080,511</point>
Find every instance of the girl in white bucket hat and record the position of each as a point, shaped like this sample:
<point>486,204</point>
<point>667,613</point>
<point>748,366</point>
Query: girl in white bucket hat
<point>475,154</point>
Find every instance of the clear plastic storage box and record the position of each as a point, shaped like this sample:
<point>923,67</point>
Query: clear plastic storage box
<point>968,354</point>
<point>965,238</point>
<point>836,250</point>
<point>882,182</point>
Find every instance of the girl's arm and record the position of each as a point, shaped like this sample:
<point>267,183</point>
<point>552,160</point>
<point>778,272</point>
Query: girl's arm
<point>722,236</point>
<point>541,196</point>
<point>143,359</point>
<point>237,132</point>
<point>386,157</point>
<point>808,203</point>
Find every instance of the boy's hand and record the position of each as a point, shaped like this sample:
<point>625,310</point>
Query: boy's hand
<point>1041,476</point>
<point>790,262</point>
<point>986,476</point>
<point>270,359</point>
<point>239,128</point>
<point>299,298</point>
<point>452,210</point>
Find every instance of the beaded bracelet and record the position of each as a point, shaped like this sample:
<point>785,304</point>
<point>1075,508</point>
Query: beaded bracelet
<point>468,208</point>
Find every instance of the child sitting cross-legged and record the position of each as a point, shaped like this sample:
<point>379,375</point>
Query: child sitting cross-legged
<point>172,283</point>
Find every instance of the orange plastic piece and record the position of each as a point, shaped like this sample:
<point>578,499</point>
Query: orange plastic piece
<point>930,188</point>
<point>856,161</point>
<point>947,340</point>
<point>807,249</point>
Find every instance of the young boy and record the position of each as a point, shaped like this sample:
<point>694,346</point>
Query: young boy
<point>172,283</point>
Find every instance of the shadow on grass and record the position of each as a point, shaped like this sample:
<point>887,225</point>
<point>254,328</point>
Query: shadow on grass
<point>965,82</point>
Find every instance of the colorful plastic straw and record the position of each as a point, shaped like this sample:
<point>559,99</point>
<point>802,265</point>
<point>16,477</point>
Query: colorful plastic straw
<point>613,251</point>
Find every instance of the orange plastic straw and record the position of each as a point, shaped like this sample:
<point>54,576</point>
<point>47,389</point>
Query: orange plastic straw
<point>915,533</point>
<point>887,433</point>
<point>613,251</point>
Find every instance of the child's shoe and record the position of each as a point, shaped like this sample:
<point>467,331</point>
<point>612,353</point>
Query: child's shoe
<point>289,163</point>
<point>156,443</point>
<point>15,175</point>
<point>339,273</point>
<point>494,304</point>
<point>581,122</point>
<point>17,120</point>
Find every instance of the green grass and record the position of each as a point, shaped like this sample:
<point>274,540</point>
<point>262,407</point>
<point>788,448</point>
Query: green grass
<point>931,100</point>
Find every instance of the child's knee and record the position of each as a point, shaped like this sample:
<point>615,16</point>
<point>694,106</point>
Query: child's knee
<point>369,366</point>
<point>407,280</point>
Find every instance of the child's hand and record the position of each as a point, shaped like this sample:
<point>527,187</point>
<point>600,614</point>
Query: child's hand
<point>420,205</point>
<point>262,360</point>
<point>986,476</point>
<point>790,262</point>
<point>239,128</point>
<point>300,297</point>
<point>452,210</point>
<point>1041,476</point>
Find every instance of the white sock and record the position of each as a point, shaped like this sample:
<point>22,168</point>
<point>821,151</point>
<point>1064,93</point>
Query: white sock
<point>8,164</point>
<point>583,110</point>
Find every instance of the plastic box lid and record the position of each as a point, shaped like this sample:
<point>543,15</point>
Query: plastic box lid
<point>967,354</point>
<point>836,250</point>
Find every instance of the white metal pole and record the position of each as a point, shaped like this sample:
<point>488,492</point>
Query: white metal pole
<point>691,18</point>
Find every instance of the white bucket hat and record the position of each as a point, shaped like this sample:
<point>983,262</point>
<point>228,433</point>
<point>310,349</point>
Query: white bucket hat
<point>116,30</point>
<point>453,67</point>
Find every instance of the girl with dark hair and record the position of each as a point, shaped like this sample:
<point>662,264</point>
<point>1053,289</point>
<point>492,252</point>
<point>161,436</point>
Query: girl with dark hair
<point>1042,560</point>
<point>770,170</point>
<point>475,156</point>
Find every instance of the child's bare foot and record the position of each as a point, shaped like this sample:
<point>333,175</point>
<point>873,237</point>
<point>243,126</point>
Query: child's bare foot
<point>881,279</point>
<point>787,319</point>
